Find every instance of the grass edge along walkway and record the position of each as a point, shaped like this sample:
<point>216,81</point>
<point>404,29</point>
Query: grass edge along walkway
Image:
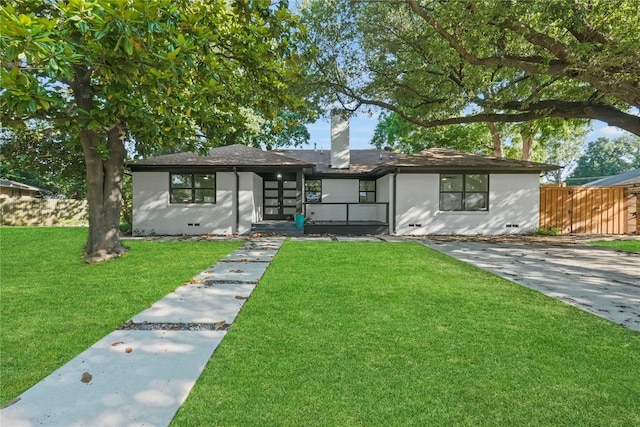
<point>399,334</point>
<point>54,306</point>
<point>620,245</point>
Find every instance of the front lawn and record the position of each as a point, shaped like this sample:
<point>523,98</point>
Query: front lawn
<point>376,334</point>
<point>53,306</point>
<point>621,245</point>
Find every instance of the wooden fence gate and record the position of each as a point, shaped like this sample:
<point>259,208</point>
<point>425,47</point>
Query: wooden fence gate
<point>591,210</point>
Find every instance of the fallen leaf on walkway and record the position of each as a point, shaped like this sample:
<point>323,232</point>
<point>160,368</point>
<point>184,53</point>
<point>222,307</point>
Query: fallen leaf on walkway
<point>129,350</point>
<point>117,343</point>
<point>236,271</point>
<point>241,297</point>
<point>86,377</point>
<point>222,324</point>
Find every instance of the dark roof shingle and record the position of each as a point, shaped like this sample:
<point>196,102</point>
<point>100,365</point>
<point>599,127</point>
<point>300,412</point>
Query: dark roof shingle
<point>230,155</point>
<point>361,162</point>
<point>443,158</point>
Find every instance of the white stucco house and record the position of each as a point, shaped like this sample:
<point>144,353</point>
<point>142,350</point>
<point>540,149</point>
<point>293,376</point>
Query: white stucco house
<point>234,188</point>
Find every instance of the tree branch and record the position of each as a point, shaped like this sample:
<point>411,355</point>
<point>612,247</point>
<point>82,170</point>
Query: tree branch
<point>601,79</point>
<point>524,112</point>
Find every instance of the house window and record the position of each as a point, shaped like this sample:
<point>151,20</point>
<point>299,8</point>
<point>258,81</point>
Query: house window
<point>313,191</point>
<point>464,192</point>
<point>193,188</point>
<point>367,191</point>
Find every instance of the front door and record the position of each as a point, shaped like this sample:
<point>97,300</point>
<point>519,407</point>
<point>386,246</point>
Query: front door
<point>280,198</point>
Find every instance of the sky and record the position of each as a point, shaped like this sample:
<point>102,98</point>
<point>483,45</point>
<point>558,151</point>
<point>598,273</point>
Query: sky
<point>362,126</point>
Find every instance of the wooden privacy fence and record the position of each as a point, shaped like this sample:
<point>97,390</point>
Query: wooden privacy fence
<point>42,211</point>
<point>589,210</point>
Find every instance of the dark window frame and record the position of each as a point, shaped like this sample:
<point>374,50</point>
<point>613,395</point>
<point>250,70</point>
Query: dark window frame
<point>367,191</point>
<point>193,189</point>
<point>307,191</point>
<point>464,192</point>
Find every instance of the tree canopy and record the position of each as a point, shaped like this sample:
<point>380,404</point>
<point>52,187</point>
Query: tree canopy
<point>44,156</point>
<point>437,62</point>
<point>605,157</point>
<point>158,74</point>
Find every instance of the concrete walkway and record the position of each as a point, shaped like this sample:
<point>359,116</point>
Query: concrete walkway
<point>600,281</point>
<point>141,374</point>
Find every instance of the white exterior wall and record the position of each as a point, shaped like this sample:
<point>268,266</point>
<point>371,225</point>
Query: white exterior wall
<point>153,214</point>
<point>334,191</point>
<point>340,153</point>
<point>246,206</point>
<point>384,195</point>
<point>258,202</point>
<point>344,191</point>
<point>513,200</point>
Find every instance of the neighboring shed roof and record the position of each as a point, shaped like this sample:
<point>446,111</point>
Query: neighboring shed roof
<point>18,185</point>
<point>237,155</point>
<point>630,179</point>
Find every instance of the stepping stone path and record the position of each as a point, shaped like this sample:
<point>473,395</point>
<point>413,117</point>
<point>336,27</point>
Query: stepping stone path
<point>140,374</point>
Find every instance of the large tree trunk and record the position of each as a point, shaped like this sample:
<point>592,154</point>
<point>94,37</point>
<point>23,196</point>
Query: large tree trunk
<point>527,145</point>
<point>104,194</point>
<point>497,140</point>
<point>105,171</point>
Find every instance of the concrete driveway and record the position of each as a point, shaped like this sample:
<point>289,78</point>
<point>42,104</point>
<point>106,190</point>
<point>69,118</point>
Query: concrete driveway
<point>600,281</point>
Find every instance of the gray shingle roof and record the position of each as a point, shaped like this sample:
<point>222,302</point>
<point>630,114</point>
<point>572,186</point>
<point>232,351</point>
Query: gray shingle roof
<point>230,155</point>
<point>362,161</point>
<point>366,161</point>
<point>629,178</point>
<point>443,158</point>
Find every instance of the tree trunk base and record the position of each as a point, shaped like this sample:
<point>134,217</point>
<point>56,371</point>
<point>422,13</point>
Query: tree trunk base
<point>104,255</point>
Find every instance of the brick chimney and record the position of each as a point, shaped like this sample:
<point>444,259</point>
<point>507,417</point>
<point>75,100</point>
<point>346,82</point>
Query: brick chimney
<point>340,154</point>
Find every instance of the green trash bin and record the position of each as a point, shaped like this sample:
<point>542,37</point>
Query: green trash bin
<point>299,220</point>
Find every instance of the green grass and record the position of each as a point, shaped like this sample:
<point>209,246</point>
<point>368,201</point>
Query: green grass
<point>340,334</point>
<point>622,245</point>
<point>53,306</point>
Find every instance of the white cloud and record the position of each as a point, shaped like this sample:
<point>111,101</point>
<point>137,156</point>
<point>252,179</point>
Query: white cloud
<point>612,131</point>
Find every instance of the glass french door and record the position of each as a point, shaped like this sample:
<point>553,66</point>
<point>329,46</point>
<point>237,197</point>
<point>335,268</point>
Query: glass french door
<point>280,199</point>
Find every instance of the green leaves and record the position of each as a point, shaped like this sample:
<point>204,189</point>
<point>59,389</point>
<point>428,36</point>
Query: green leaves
<point>435,62</point>
<point>605,157</point>
<point>166,67</point>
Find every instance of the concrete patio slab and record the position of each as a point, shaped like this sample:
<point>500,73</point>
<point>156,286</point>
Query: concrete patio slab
<point>600,281</point>
<point>143,387</point>
<point>198,304</point>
